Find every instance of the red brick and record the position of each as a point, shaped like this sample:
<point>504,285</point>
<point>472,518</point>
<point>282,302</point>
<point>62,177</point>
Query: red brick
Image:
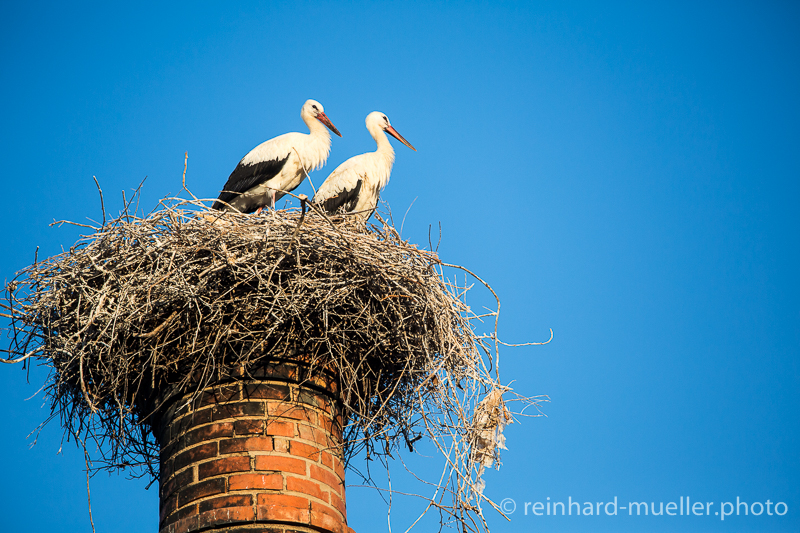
<point>176,483</point>
<point>333,427</point>
<point>249,444</point>
<point>238,410</point>
<point>210,432</point>
<point>267,391</point>
<point>338,503</point>
<point>327,477</point>
<point>195,455</point>
<point>203,416</point>
<point>282,500</point>
<point>169,450</point>
<point>303,450</point>
<point>310,398</point>
<point>281,507</point>
<point>228,515</point>
<point>223,466</point>
<point>165,469</point>
<point>277,370</point>
<point>189,510</point>
<point>167,507</point>
<point>306,486</point>
<point>338,467</point>
<point>185,525</point>
<point>321,437</point>
<point>241,500</point>
<point>326,518</point>
<point>305,432</point>
<point>248,427</point>
<point>283,429</point>
<point>281,445</point>
<point>326,459</point>
<point>283,514</point>
<point>201,490</point>
<point>281,464</point>
<point>255,481</point>
<point>286,410</point>
<point>325,404</point>
<point>217,395</point>
<point>328,383</point>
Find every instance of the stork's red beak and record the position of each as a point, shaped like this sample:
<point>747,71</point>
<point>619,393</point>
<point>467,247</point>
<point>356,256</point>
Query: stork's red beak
<point>322,117</point>
<point>393,132</point>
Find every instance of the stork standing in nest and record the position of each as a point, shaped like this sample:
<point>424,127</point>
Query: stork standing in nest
<point>278,165</point>
<point>355,185</point>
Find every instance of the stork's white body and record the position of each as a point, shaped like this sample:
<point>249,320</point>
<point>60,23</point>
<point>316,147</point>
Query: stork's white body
<point>355,185</point>
<point>279,164</point>
<point>372,169</point>
<point>306,152</point>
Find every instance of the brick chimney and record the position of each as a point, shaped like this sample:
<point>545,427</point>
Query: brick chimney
<point>258,455</point>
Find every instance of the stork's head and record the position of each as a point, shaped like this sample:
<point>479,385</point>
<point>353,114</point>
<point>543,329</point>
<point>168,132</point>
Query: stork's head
<point>314,109</point>
<point>377,120</point>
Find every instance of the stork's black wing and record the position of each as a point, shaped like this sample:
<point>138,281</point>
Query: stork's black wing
<point>345,201</point>
<point>246,176</point>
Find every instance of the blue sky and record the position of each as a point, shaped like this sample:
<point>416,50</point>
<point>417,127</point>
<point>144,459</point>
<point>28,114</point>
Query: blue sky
<point>627,175</point>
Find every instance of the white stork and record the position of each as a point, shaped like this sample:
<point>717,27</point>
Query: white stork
<point>355,185</point>
<point>279,164</point>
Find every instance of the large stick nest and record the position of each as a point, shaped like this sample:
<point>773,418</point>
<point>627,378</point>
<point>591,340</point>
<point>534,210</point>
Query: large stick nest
<point>145,305</point>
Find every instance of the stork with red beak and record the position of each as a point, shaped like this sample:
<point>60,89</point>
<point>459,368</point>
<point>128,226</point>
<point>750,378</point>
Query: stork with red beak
<point>278,165</point>
<point>355,185</point>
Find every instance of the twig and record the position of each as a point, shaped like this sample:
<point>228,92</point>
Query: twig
<point>303,165</point>
<point>102,203</point>
<point>24,357</point>
<point>528,343</point>
<point>185,163</point>
<point>160,326</point>
<point>88,492</point>
<point>403,223</point>
<point>303,199</point>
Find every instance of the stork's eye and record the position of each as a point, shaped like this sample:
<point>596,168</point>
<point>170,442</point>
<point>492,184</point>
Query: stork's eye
<point>314,108</point>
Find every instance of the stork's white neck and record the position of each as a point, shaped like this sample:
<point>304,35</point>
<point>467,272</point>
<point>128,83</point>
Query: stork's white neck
<point>317,128</point>
<point>319,146</point>
<point>384,156</point>
<point>384,146</point>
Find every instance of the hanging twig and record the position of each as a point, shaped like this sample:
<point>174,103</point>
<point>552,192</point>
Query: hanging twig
<point>88,492</point>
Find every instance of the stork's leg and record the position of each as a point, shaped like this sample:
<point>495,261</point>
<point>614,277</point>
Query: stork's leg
<point>258,211</point>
